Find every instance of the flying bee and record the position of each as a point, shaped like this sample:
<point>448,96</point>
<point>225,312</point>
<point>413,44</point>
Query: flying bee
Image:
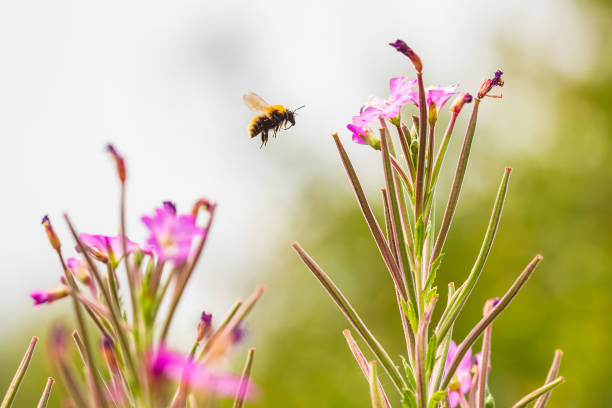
<point>270,118</point>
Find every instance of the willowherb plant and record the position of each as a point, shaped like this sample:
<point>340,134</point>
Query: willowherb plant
<point>437,372</point>
<point>125,360</point>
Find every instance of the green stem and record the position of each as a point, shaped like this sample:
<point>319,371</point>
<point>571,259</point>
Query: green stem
<point>421,350</point>
<point>353,318</point>
<point>244,380</point>
<point>128,269</point>
<point>523,402</point>
<point>44,399</point>
<point>93,376</point>
<point>381,243</point>
<point>420,170</point>
<point>9,397</point>
<point>552,374</point>
<point>396,224</point>
<point>184,277</point>
<point>363,364</point>
<point>456,307</point>
<point>442,151</point>
<point>457,182</point>
<point>503,303</point>
<point>115,319</point>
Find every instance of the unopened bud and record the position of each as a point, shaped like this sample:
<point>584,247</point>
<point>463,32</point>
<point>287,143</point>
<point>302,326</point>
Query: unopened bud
<point>108,351</point>
<point>53,238</point>
<point>489,305</point>
<point>204,326</point>
<point>459,101</point>
<point>487,85</point>
<point>49,295</point>
<point>118,161</point>
<point>402,47</point>
<point>432,115</point>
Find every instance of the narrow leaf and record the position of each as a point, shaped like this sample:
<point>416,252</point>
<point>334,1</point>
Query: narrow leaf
<point>9,397</point>
<point>352,316</point>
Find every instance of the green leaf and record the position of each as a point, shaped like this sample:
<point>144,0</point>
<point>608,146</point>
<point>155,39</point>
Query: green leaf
<point>409,400</point>
<point>436,398</point>
<point>489,400</point>
<point>419,236</point>
<point>409,374</point>
<point>430,294</point>
<point>411,315</point>
<point>431,353</point>
<point>435,265</point>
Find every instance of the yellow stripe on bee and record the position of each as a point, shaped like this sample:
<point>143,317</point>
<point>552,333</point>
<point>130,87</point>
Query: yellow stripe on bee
<point>275,108</point>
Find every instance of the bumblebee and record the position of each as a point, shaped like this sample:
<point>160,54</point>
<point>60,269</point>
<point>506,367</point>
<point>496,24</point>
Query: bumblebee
<point>270,118</point>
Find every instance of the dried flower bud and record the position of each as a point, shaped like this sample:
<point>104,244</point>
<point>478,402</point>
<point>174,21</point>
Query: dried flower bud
<point>204,325</point>
<point>53,238</point>
<point>402,47</point>
<point>489,305</point>
<point>203,203</point>
<point>119,161</point>
<point>487,85</point>
<point>459,101</point>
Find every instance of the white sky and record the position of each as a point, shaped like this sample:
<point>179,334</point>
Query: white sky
<point>164,80</point>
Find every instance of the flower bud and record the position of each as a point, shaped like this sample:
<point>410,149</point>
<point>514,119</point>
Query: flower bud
<point>49,295</point>
<point>53,238</point>
<point>432,115</point>
<point>204,326</point>
<point>489,305</point>
<point>119,161</point>
<point>487,85</point>
<point>108,352</point>
<point>402,47</point>
<point>459,101</point>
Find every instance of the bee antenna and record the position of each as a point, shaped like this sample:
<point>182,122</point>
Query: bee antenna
<point>296,109</point>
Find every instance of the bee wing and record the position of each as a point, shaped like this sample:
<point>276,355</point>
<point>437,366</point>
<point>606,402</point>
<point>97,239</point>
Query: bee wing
<point>255,102</point>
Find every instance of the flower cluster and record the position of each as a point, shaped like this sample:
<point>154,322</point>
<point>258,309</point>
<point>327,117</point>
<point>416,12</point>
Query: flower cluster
<point>402,93</point>
<point>437,372</point>
<point>139,367</point>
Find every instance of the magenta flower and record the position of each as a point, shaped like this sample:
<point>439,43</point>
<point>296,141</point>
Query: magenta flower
<point>462,380</point>
<point>49,295</point>
<point>107,249</point>
<point>401,93</point>
<point>79,269</point>
<point>173,365</point>
<point>171,234</point>
<point>436,94</point>
<point>362,134</point>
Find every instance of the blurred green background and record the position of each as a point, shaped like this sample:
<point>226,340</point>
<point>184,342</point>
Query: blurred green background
<point>554,129</point>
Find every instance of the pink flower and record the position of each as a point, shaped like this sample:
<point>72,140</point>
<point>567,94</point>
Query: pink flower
<point>79,269</point>
<point>49,295</point>
<point>173,365</point>
<point>361,132</point>
<point>171,234</point>
<point>437,94</point>
<point>462,380</point>
<point>107,248</point>
<point>401,93</point>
